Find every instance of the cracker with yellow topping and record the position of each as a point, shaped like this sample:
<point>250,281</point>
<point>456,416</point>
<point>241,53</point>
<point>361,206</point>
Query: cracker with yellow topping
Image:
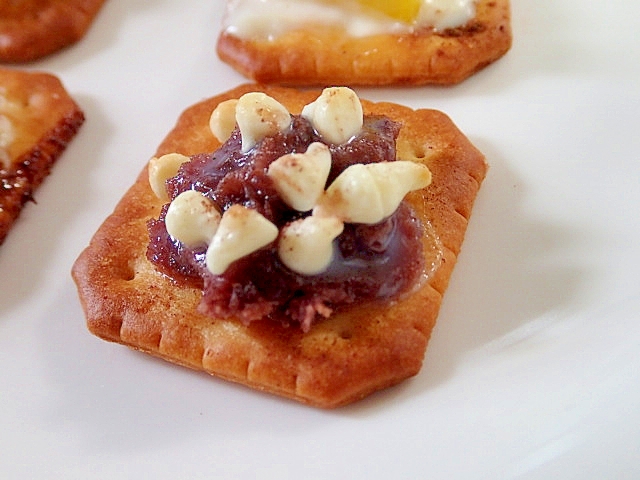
<point>357,350</point>
<point>319,53</point>
<point>38,118</point>
<point>31,29</point>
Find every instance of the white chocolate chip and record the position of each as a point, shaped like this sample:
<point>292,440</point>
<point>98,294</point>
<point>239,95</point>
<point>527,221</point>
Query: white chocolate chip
<point>300,178</point>
<point>258,116</point>
<point>370,193</point>
<point>306,245</point>
<point>192,219</point>
<point>241,231</point>
<point>223,120</point>
<point>163,168</point>
<point>336,114</point>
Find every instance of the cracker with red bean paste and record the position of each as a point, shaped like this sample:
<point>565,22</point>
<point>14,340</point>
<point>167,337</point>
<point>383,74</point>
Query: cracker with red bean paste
<point>358,350</point>
<point>38,118</point>
<point>32,29</point>
<point>331,56</point>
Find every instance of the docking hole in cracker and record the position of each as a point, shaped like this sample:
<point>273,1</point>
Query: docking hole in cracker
<point>363,42</point>
<point>295,242</point>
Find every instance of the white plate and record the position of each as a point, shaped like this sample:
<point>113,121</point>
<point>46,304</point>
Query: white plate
<point>533,370</point>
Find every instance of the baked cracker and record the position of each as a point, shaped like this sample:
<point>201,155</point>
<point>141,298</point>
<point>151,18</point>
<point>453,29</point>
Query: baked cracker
<point>358,350</point>
<point>38,118</point>
<point>330,56</point>
<point>32,29</point>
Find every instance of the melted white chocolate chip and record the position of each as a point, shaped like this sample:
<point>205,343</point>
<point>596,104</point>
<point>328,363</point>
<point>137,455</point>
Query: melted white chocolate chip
<point>443,14</point>
<point>306,245</point>
<point>192,219</point>
<point>370,193</point>
<point>270,19</point>
<point>241,232</point>
<point>336,114</point>
<point>162,169</point>
<point>223,120</point>
<point>259,116</point>
<point>300,178</point>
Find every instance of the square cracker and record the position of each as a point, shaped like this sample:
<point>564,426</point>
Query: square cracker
<point>330,56</point>
<point>38,118</point>
<point>31,29</point>
<point>358,350</point>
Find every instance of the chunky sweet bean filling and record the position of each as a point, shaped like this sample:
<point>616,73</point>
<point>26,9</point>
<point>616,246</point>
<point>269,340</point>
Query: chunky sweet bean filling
<point>366,261</point>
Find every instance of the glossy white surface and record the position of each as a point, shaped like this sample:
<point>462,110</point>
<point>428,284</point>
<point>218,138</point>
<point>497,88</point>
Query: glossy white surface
<point>533,371</point>
<point>270,19</point>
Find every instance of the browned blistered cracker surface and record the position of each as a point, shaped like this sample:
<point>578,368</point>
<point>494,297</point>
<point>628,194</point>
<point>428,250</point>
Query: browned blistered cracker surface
<point>38,118</point>
<point>32,29</point>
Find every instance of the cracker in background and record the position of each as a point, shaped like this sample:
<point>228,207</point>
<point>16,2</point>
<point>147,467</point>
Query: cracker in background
<point>330,56</point>
<point>38,119</point>
<point>31,29</point>
<point>358,350</point>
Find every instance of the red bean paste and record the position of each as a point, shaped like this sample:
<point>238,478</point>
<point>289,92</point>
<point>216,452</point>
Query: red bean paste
<point>370,262</point>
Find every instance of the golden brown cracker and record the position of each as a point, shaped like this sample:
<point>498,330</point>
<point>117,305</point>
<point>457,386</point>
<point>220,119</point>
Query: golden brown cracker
<point>32,29</point>
<point>330,56</point>
<point>359,350</point>
<point>38,118</point>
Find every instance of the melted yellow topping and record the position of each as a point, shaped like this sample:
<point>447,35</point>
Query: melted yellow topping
<point>403,10</point>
